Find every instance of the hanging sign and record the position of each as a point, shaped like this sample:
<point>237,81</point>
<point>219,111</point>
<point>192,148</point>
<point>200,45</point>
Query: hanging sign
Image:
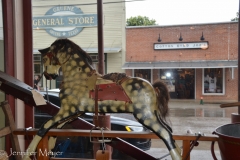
<point>181,45</point>
<point>64,21</point>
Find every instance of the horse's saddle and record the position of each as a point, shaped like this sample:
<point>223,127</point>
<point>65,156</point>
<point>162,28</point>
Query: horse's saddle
<point>111,91</point>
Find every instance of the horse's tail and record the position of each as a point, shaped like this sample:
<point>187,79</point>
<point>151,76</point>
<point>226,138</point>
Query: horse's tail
<point>162,98</point>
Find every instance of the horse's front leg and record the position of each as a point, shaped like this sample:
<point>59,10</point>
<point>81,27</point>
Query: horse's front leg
<point>58,119</point>
<point>52,140</point>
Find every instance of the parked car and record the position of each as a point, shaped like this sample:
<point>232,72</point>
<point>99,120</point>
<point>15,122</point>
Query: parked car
<point>81,147</point>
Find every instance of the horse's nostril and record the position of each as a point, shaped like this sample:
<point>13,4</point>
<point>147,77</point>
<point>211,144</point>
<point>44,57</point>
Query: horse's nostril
<point>50,76</point>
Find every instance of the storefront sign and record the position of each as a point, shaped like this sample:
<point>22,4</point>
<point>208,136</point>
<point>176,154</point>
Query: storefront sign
<point>181,45</point>
<point>64,21</point>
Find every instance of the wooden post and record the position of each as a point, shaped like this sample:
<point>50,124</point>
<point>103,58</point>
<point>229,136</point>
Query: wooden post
<point>28,59</point>
<point>9,56</point>
<point>238,60</point>
<point>100,37</point>
<point>186,148</point>
<point>101,58</point>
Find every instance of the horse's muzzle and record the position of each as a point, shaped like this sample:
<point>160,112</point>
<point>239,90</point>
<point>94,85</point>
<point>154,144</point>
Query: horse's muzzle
<point>50,76</point>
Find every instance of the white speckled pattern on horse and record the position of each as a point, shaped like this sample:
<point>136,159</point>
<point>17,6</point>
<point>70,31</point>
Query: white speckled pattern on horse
<point>79,78</point>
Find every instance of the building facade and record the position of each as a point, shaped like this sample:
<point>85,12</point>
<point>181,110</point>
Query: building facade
<point>77,21</point>
<point>194,60</point>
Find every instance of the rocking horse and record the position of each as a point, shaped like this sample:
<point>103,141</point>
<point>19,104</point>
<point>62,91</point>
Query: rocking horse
<point>148,103</point>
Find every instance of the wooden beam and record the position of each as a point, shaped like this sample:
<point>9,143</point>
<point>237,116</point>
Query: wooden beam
<point>113,134</point>
<point>234,104</point>
<point>122,134</point>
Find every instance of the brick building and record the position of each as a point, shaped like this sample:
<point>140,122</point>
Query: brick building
<point>194,60</point>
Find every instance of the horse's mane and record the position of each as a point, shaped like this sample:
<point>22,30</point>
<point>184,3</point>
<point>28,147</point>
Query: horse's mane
<point>65,44</point>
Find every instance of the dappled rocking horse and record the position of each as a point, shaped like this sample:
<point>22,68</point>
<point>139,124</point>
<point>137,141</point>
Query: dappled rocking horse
<point>148,103</point>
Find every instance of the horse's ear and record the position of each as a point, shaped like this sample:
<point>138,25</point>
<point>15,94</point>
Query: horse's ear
<point>44,51</point>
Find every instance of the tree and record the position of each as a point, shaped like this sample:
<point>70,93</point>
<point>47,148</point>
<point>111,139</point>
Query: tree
<point>236,18</point>
<point>140,21</point>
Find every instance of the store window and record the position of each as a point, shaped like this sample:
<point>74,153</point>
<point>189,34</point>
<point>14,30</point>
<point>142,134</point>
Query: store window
<point>143,73</point>
<point>213,80</point>
<point>180,82</point>
<point>168,77</point>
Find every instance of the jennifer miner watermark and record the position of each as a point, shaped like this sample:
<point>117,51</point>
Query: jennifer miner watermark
<point>40,152</point>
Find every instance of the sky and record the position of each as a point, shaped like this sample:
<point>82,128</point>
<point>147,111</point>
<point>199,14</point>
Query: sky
<point>170,12</point>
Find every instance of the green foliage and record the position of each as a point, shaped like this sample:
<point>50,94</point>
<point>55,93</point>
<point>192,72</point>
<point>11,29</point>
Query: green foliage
<point>236,18</point>
<point>140,21</point>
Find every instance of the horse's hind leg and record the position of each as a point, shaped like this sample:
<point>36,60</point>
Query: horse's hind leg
<point>151,121</point>
<point>54,121</point>
<point>166,126</point>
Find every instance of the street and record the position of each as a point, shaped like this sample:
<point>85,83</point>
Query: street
<point>193,117</point>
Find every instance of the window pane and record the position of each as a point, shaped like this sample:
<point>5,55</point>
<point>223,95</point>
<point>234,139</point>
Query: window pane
<point>37,68</point>
<point>143,73</point>
<point>213,80</point>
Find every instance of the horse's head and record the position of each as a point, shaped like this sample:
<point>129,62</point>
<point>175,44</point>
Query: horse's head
<point>58,54</point>
<point>50,63</point>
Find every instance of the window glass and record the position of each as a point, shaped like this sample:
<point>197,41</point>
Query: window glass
<point>213,81</point>
<point>180,82</point>
<point>143,73</point>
